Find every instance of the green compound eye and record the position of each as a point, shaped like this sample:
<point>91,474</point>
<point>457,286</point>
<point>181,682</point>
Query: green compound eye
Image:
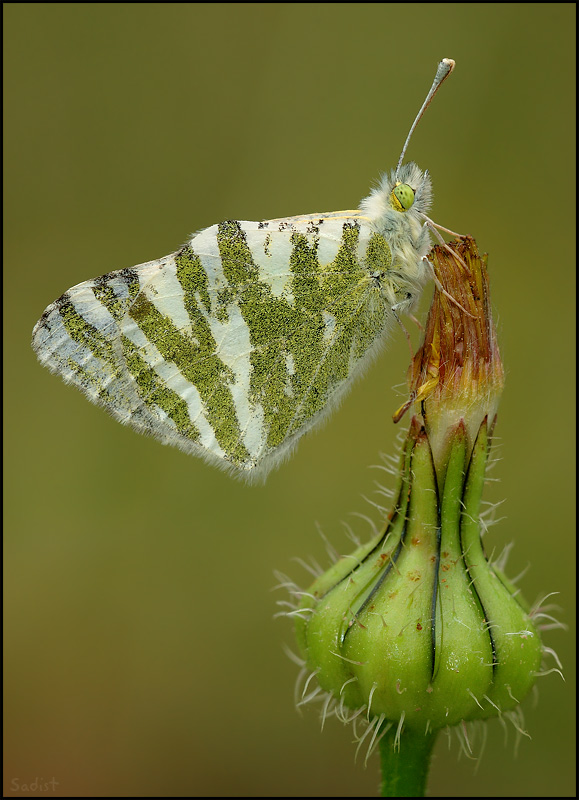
<point>402,197</point>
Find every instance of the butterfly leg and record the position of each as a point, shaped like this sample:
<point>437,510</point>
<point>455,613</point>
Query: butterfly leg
<point>399,321</point>
<point>416,321</point>
<point>435,228</point>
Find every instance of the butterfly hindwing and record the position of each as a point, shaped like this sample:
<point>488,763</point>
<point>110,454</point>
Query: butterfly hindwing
<point>235,345</point>
<point>77,337</point>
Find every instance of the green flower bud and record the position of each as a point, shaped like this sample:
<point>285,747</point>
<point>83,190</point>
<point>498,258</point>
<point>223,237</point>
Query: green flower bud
<point>416,627</point>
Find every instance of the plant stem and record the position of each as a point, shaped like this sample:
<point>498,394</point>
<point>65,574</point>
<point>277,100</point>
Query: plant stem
<point>405,764</point>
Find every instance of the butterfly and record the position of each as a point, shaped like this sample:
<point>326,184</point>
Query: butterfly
<point>245,338</point>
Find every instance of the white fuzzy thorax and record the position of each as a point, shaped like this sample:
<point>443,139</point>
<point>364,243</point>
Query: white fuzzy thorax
<point>405,232</point>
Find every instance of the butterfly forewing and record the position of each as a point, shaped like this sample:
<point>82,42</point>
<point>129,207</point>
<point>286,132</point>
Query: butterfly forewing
<point>235,345</point>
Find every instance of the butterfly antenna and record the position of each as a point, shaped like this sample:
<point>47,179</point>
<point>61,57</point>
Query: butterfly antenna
<point>444,69</point>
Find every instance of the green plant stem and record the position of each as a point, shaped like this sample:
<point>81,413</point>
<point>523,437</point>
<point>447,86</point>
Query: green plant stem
<point>405,764</point>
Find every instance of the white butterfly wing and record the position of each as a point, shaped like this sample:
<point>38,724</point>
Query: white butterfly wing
<point>234,346</point>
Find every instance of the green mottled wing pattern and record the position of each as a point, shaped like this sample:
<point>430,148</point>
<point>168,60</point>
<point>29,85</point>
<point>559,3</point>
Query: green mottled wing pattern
<point>237,344</point>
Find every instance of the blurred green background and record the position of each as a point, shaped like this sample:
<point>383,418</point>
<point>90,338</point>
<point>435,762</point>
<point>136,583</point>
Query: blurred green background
<point>142,657</point>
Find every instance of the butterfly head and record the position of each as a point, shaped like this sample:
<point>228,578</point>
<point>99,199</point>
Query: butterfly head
<point>402,194</point>
<point>408,189</point>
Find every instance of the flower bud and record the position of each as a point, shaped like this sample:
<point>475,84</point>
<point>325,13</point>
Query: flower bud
<point>416,625</point>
